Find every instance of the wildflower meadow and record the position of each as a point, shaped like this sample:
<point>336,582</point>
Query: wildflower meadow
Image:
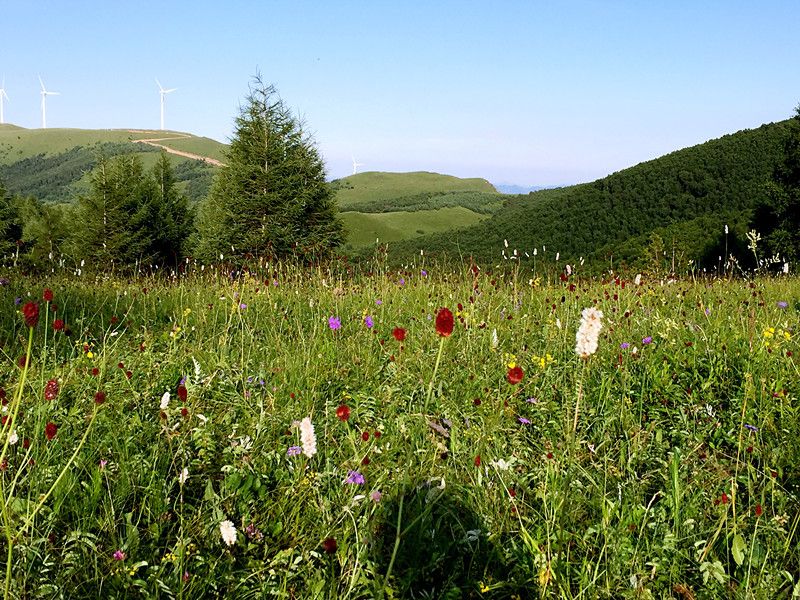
<point>431,432</point>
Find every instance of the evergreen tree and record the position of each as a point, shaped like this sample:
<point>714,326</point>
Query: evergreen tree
<point>174,219</point>
<point>778,217</point>
<point>10,223</point>
<point>271,199</point>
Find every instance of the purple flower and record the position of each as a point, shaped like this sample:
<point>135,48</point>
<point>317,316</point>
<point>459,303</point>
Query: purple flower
<point>424,273</point>
<point>524,421</point>
<point>334,323</point>
<point>4,281</point>
<point>355,478</point>
<point>369,322</point>
<point>532,400</point>
<point>624,345</point>
<point>119,555</point>
<point>294,451</point>
<point>708,311</point>
<point>103,462</point>
<point>647,340</point>
<point>378,302</point>
<point>376,496</point>
<point>782,304</point>
<point>750,427</point>
<point>242,306</point>
<point>17,301</point>
<point>402,281</point>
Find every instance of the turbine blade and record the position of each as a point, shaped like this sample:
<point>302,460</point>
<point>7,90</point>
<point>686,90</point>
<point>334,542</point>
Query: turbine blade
<point>42,83</point>
<point>158,83</point>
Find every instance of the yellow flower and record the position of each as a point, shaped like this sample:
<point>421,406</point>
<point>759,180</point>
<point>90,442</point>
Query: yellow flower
<point>484,588</point>
<point>90,354</point>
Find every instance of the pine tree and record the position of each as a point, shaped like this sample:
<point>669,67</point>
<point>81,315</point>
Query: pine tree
<point>271,199</point>
<point>174,219</point>
<point>10,223</point>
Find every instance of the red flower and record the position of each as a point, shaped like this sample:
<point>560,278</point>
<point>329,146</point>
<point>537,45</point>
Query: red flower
<point>329,545</point>
<point>99,397</point>
<point>376,434</point>
<point>365,436</point>
<point>515,375</point>
<point>182,393</point>
<point>185,412</point>
<point>58,325</point>
<point>50,430</point>
<point>95,371</point>
<point>478,460</point>
<point>724,498</point>
<point>444,322</point>
<point>31,313</point>
<point>343,412</point>
<point>51,390</point>
<point>47,295</point>
<point>399,333</point>
<point>759,510</point>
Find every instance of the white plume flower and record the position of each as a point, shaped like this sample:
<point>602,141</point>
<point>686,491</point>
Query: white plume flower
<point>588,332</point>
<point>228,532</point>
<point>307,437</point>
<point>164,401</point>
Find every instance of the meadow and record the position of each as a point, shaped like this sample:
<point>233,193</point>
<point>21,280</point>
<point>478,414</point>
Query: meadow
<point>325,433</point>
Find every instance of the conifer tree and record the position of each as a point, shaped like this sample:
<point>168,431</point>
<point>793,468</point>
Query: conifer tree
<point>174,219</point>
<point>10,224</point>
<point>271,199</point>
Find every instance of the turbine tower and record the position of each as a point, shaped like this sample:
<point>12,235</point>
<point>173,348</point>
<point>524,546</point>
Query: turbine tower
<point>163,93</point>
<point>2,95</point>
<point>45,94</point>
<point>356,165</point>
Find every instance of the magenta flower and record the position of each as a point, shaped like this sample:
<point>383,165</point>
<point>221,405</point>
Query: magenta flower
<point>524,421</point>
<point>369,322</point>
<point>334,323</point>
<point>119,555</point>
<point>647,340</point>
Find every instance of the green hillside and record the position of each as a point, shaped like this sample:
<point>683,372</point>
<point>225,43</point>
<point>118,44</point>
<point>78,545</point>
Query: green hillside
<point>682,201</point>
<point>52,164</point>
<point>378,186</point>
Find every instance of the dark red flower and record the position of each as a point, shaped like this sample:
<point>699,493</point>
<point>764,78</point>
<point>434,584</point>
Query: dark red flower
<point>343,412</point>
<point>50,430</point>
<point>478,460</point>
<point>31,313</point>
<point>444,322</point>
<point>128,374</point>
<point>724,498</point>
<point>759,510</point>
<point>23,360</point>
<point>58,325</point>
<point>399,333</point>
<point>95,371</point>
<point>365,461</point>
<point>51,390</point>
<point>365,436</point>
<point>329,545</point>
<point>512,492</point>
<point>185,412</point>
<point>47,295</point>
<point>99,397</point>
<point>376,434</point>
<point>182,393</point>
<point>515,375</point>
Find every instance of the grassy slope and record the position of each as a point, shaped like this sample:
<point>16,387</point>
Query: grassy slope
<point>364,187</point>
<point>719,180</point>
<point>364,228</point>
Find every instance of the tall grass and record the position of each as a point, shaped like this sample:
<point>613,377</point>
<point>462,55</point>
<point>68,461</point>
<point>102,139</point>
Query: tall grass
<point>679,479</point>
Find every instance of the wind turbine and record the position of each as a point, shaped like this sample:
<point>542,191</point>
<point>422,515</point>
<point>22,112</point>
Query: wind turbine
<point>356,165</point>
<point>45,94</point>
<point>2,95</point>
<point>163,93</point>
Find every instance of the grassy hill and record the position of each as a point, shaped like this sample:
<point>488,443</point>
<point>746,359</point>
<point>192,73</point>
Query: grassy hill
<point>398,206</point>
<point>681,201</point>
<point>52,164</point>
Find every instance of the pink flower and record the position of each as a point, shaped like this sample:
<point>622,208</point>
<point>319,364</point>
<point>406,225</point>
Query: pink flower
<point>119,555</point>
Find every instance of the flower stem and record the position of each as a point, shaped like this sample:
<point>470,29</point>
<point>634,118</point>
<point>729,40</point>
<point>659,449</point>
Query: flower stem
<point>433,377</point>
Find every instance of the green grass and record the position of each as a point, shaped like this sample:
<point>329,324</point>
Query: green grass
<point>379,186</point>
<point>364,228</point>
<point>677,471</point>
<point>18,143</point>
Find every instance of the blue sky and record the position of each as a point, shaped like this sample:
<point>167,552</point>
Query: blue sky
<point>533,93</point>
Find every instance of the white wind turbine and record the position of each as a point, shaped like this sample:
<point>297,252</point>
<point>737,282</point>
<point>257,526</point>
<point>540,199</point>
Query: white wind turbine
<point>356,165</point>
<point>2,95</point>
<point>163,93</point>
<point>45,94</point>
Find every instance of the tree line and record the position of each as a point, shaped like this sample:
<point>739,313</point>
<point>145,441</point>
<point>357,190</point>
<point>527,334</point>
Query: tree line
<point>271,200</point>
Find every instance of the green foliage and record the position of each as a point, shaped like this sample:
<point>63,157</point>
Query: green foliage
<point>485,203</point>
<point>726,174</point>
<point>271,199</point>
<point>777,217</point>
<point>10,222</point>
<point>130,216</point>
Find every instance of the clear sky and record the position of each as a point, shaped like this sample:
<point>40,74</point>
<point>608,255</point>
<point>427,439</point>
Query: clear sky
<point>528,92</point>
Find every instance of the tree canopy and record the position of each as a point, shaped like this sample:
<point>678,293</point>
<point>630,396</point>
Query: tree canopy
<point>271,199</point>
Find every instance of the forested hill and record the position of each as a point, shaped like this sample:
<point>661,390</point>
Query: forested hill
<point>683,199</point>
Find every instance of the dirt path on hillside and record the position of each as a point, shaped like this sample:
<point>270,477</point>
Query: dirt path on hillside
<point>154,142</point>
